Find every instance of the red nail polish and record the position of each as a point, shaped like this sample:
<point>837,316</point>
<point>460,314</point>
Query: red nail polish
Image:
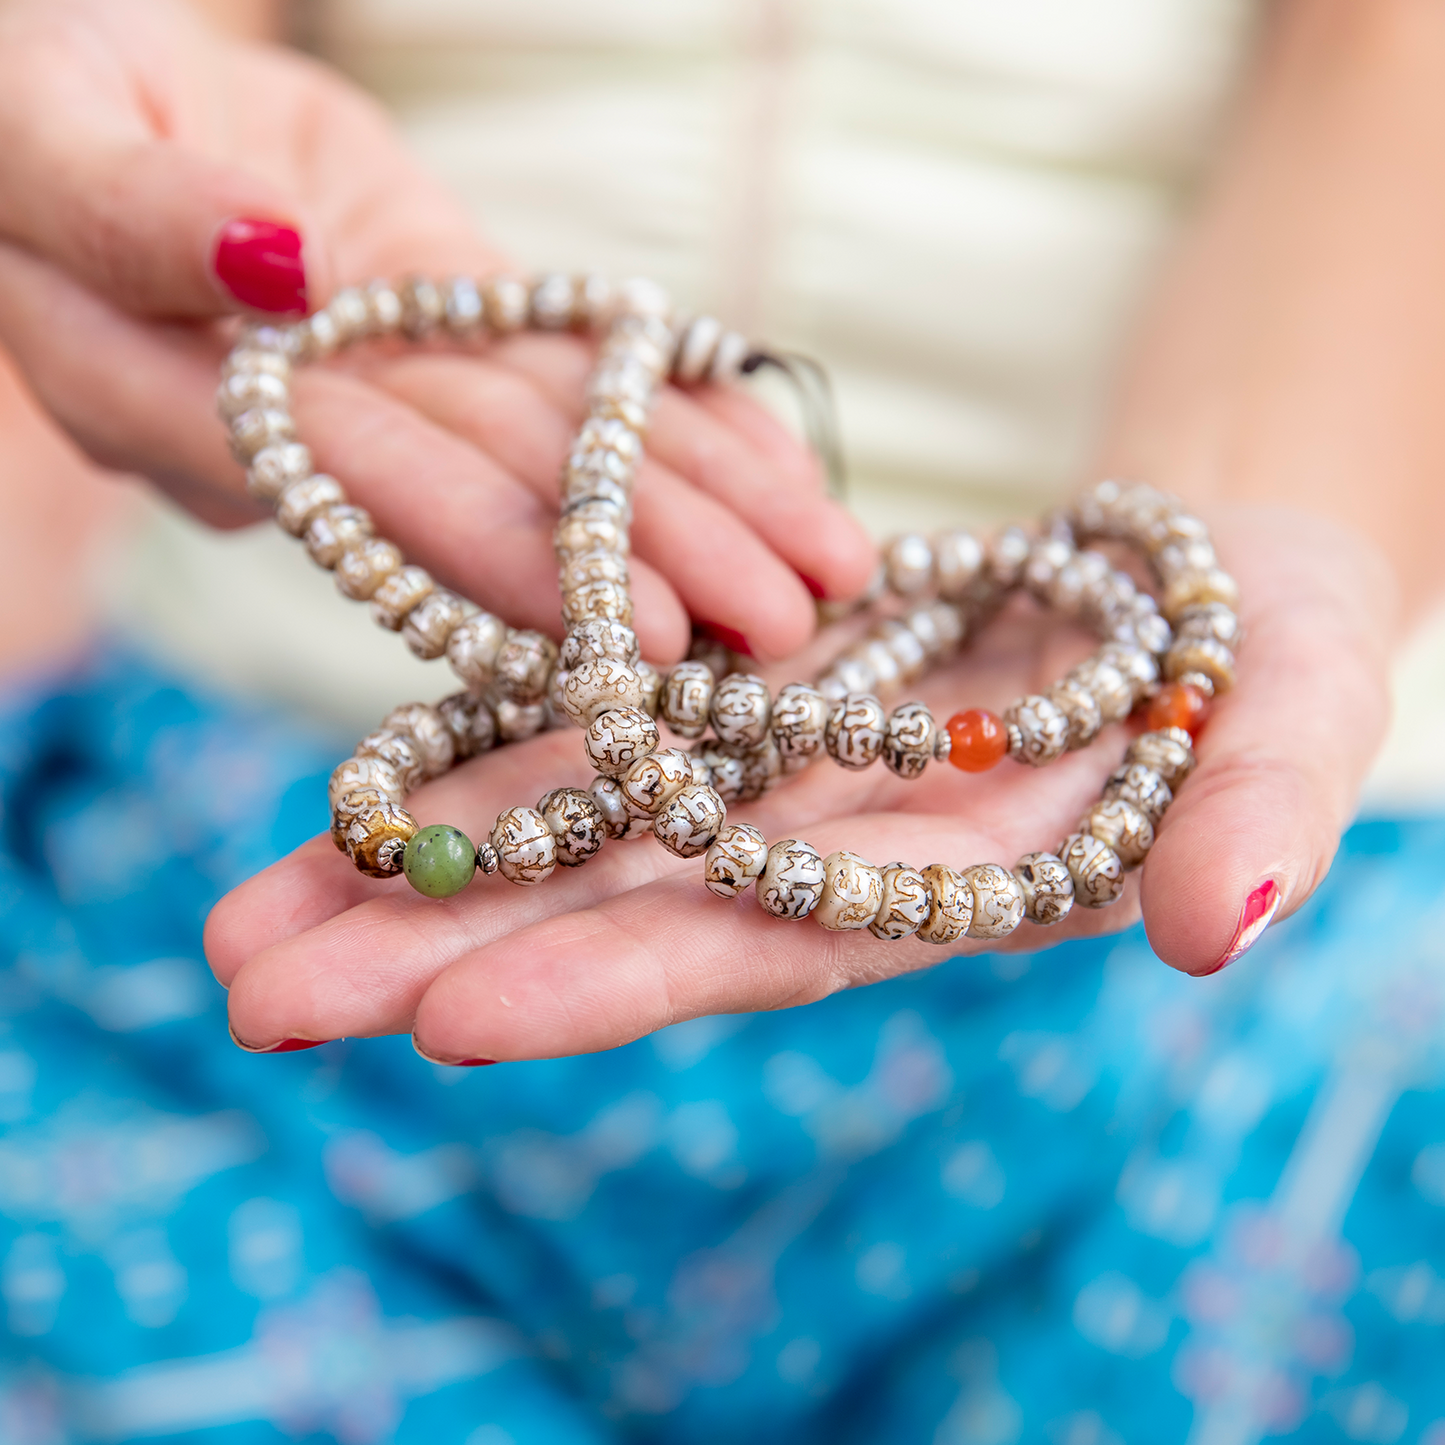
<point>813,585</point>
<point>728,636</point>
<point>474,1063</point>
<point>1256,915</point>
<point>286,1046</point>
<point>259,263</point>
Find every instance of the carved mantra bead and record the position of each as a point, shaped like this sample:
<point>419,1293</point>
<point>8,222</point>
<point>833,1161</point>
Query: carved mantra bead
<point>607,794</point>
<point>597,601</point>
<point>735,858</point>
<point>1198,587</point>
<point>1205,655</point>
<point>377,839</point>
<point>799,725</point>
<point>301,500</point>
<point>616,739</point>
<point>1209,619</point>
<point>470,722</point>
<point>908,740</point>
<point>908,564</point>
<point>1047,886</point>
<point>903,902</point>
<point>350,806</point>
<point>518,721</point>
<point>473,647</point>
<point>430,624</point>
<point>762,767</point>
<point>257,429</point>
<point>998,901</point>
<point>856,727</point>
<point>274,468</point>
<point>1138,666</point>
<point>401,750</point>
<point>524,663</point>
<point>1096,869</point>
<point>652,782</point>
<point>370,772</point>
<point>1123,827</point>
<point>689,822</point>
<point>592,641</point>
<point>1139,784</point>
<point>958,564</point>
<point>593,688</point>
<point>651,680</point>
<point>241,391</point>
<point>597,566</point>
<point>576,824</point>
<point>852,893</point>
<point>1080,708</point>
<point>791,883</point>
<point>950,905</point>
<point>725,772</point>
<point>590,527</point>
<point>429,728</point>
<point>391,602</point>
<point>1110,687</point>
<point>526,846</point>
<point>1043,729</point>
<point>361,570</point>
<point>740,708</point>
<point>686,698</point>
<point>1168,753</point>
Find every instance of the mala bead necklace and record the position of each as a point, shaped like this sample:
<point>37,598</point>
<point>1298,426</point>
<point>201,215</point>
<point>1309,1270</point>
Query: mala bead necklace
<point>1168,657</point>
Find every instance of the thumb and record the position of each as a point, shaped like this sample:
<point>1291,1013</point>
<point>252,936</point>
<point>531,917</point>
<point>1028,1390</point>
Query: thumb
<point>1281,761</point>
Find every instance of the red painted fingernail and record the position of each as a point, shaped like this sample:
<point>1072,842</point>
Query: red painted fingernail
<point>286,1046</point>
<point>259,263</point>
<point>474,1063</point>
<point>728,636</point>
<point>450,1063</point>
<point>1256,915</point>
<point>813,586</point>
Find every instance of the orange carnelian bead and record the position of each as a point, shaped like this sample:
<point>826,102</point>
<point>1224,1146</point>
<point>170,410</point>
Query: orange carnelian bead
<point>979,740</point>
<point>1177,705</point>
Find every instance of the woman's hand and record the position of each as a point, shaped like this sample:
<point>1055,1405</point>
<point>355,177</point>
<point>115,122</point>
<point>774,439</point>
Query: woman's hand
<point>131,139</point>
<point>599,955</point>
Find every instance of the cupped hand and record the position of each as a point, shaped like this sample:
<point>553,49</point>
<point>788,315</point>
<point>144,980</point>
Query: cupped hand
<point>130,137</point>
<point>632,942</point>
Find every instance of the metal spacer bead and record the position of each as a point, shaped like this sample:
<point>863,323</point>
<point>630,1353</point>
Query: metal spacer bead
<point>1015,741</point>
<point>1200,680</point>
<point>389,855</point>
<point>487,859</point>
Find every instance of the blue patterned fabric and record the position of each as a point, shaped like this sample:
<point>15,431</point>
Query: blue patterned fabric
<point>1072,1198</point>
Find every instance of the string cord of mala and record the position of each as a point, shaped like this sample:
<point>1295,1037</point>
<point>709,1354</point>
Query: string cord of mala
<point>1166,657</point>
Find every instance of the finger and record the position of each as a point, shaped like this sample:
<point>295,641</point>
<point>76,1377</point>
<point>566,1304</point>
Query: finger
<point>1280,762</point>
<point>599,977</point>
<point>98,182</point>
<point>722,572</point>
<point>773,483</point>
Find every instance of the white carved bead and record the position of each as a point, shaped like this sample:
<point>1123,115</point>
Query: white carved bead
<point>1081,710</point>
<point>1096,869</point>
<point>335,530</point>
<point>799,724</point>
<point>1139,784</point>
<point>518,721</point>
<point>735,858</point>
<point>597,601</point>
<point>348,309</point>
<point>590,527</point>
<point>377,838</point>
<point>791,883</point>
<point>908,564</point>
<point>430,730</point>
<point>398,594</point>
<point>1208,619</point>
<point>879,659</point>
<point>385,306</point>
<point>526,846</point>
<point>1048,889</point>
<point>273,469</point>
<point>651,680</point>
<point>473,647</point>
<point>370,772</point>
<point>400,750</point>
<point>1195,588</point>
<point>576,823</point>
<point>696,344</point>
<point>909,739</point>
<point>740,709</point>
<point>905,647</point>
<point>689,821</point>
<point>553,298</point>
<point>856,727</point>
<point>1123,827</point>
<point>725,772</point>
<point>652,782</point>
<point>593,300</point>
<point>361,570</point>
<point>350,806</point>
<point>686,698</point>
<point>506,303</point>
<point>852,893</point>
<point>597,566</point>
<point>1006,555</point>
<point>998,901</point>
<point>249,355</point>
<point>302,499</point>
<point>261,427</point>
<point>593,688</point>
<point>589,641</point>
<point>958,563</point>
<point>524,664</point>
<point>470,722</point>
<point>430,624</point>
<point>618,738</point>
<point>612,806</point>
<point>762,767</point>
<point>950,905</point>
<point>1166,752</point>
<point>1206,655</point>
<point>1111,689</point>
<point>903,906</point>
<point>462,302</point>
<point>1043,728</point>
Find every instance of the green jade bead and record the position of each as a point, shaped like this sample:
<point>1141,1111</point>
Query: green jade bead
<point>439,860</point>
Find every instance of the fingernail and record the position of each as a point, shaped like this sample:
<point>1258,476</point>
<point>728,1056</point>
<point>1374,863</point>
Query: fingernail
<point>1256,915</point>
<point>813,586</point>
<point>286,1046</point>
<point>728,636</point>
<point>450,1063</point>
<point>259,263</point>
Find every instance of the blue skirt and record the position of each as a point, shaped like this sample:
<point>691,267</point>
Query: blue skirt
<point>1073,1198</point>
